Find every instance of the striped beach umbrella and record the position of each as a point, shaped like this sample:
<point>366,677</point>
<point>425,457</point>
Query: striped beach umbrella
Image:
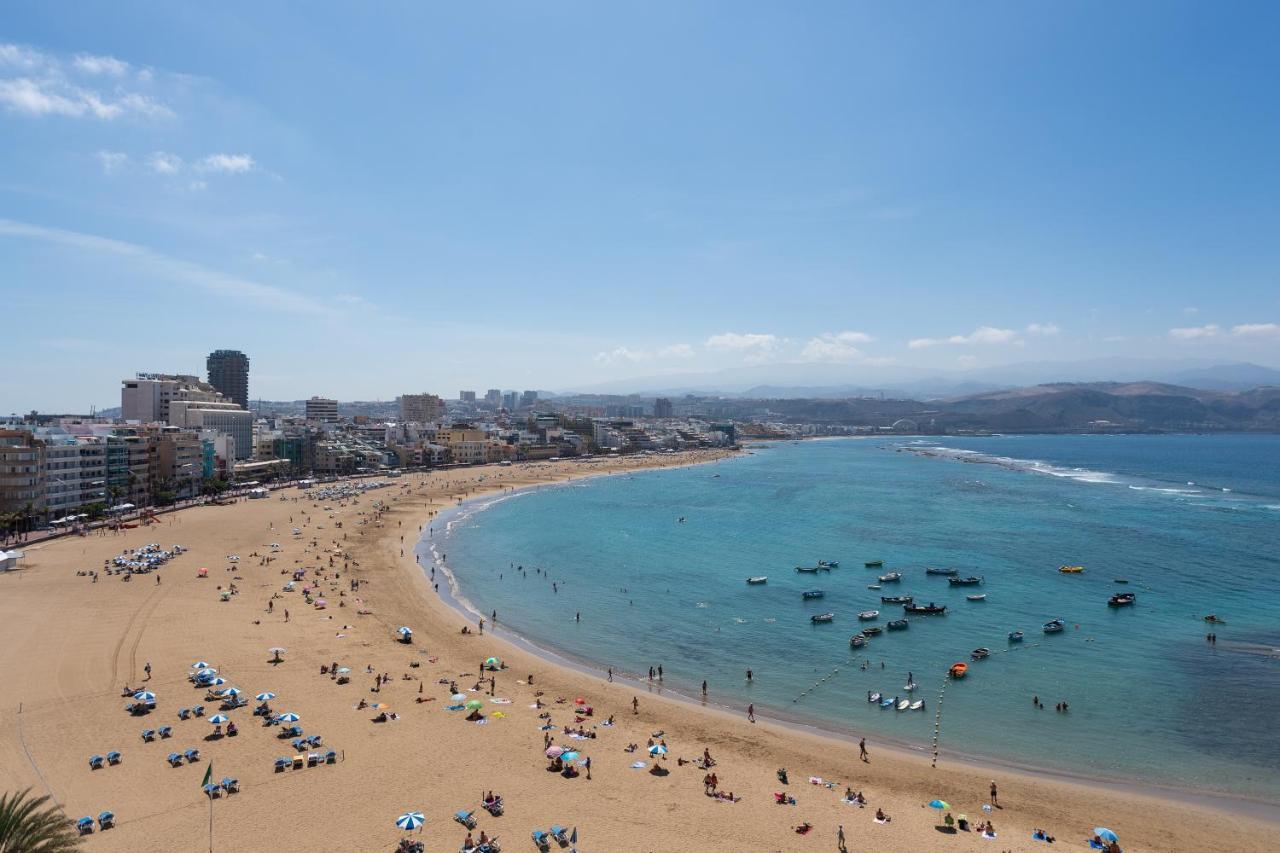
<point>410,820</point>
<point>403,630</point>
<point>231,691</point>
<point>657,749</point>
<point>263,697</point>
<point>289,717</point>
<point>219,719</point>
<point>218,682</point>
<point>145,696</point>
<point>200,664</point>
<point>207,672</point>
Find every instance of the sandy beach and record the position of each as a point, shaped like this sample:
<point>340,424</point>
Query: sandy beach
<point>68,644</point>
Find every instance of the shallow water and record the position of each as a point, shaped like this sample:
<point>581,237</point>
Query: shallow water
<point>1149,698</point>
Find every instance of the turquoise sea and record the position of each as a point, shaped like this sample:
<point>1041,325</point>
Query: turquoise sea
<point>1193,522</point>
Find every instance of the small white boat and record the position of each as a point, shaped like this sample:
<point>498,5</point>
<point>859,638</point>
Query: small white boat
<point>869,614</point>
<point>822,617</point>
<point>982,596</point>
<point>759,579</point>
<point>904,704</point>
<point>909,686</point>
<point>917,705</point>
<point>892,577</point>
<point>857,641</point>
<point>873,586</point>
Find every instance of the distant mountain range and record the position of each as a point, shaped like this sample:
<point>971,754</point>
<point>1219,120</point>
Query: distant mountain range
<point>777,381</point>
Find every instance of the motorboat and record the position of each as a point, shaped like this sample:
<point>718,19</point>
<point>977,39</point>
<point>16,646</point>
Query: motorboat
<point>1122,580</point>
<point>959,670</point>
<point>980,653</point>
<point>897,625</point>
<point>1015,636</point>
<point>869,614</point>
<point>812,593</point>
<point>1121,599</point>
<point>892,577</point>
<point>972,580</point>
<point>871,630</point>
<point>981,596</point>
<point>828,564</point>
<point>873,564</point>
<point>1070,570</point>
<point>874,698</point>
<point>904,704</point>
<point>1215,620</point>
<point>896,599</point>
<point>822,617</point>
<point>935,571</point>
<point>857,641</point>
<point>873,586</point>
<point>1054,626</point>
<point>809,570</point>
<point>759,579</point>
<point>925,609</point>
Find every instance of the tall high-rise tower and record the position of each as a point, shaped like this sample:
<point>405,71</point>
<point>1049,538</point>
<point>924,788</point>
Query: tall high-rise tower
<point>229,373</point>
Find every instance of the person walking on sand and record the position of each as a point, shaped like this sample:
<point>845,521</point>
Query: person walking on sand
<point>635,704</point>
<point>995,801</point>
<point>840,846</point>
<point>610,673</point>
<point>751,713</point>
<point>862,750</point>
<point>147,670</point>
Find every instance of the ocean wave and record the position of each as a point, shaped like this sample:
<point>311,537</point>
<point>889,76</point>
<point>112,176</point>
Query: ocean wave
<point>1035,466</point>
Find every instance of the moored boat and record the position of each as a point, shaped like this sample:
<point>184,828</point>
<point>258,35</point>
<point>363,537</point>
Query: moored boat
<point>1015,636</point>
<point>1054,626</point>
<point>959,669</point>
<point>828,564</point>
<point>822,617</point>
<point>896,599</point>
<point>917,705</point>
<point>980,653</point>
<point>904,704</point>
<point>909,686</point>
<point>869,614</point>
<point>897,624</point>
<point>1122,580</point>
<point>873,564</point>
<point>810,570</point>
<point>892,577</point>
<point>1121,599</point>
<point>873,698</point>
<point>812,593</point>
<point>871,630</point>
<point>873,586</point>
<point>857,640</point>
<point>936,571</point>
<point>759,579</point>
<point>926,609</point>
<point>981,596</point>
<point>1070,570</point>
<point>972,580</point>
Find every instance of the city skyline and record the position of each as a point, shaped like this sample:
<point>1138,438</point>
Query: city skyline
<point>619,195</point>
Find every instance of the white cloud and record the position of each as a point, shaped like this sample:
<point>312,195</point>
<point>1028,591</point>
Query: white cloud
<point>44,85</point>
<point>1043,329</point>
<point>234,164</point>
<point>835,346</point>
<point>112,161</point>
<point>104,65</point>
<point>163,163</point>
<point>197,186</point>
<point>618,354</point>
<point>1190,310</point>
<point>981,335</point>
<point>175,270</point>
<point>350,299</point>
<point>736,341</point>
<point>676,351</point>
<point>1192,333</point>
<point>1257,330</point>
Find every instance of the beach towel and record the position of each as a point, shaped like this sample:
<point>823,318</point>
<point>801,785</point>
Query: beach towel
<point>990,837</point>
<point>637,765</point>
<point>500,701</point>
<point>815,780</point>
<point>879,821</point>
<point>482,721</point>
<point>454,707</point>
<point>498,715</point>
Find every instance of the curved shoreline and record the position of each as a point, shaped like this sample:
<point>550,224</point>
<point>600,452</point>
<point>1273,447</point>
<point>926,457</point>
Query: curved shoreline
<point>1254,807</point>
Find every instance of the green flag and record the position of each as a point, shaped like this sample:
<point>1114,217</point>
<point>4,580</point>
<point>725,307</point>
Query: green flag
<point>208,775</point>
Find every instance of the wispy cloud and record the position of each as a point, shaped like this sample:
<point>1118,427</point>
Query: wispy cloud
<point>232,164</point>
<point>164,163</point>
<point>619,355</point>
<point>34,83</point>
<point>838,347</point>
<point>1257,330</point>
<point>980,335</point>
<point>676,351</point>
<point>1043,329</point>
<point>755,348</point>
<point>1193,333</point>
<point>111,161</point>
<point>174,269</point>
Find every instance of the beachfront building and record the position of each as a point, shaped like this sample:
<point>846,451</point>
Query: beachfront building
<point>20,481</point>
<point>421,408</point>
<point>147,397</point>
<point>73,473</point>
<point>322,409</point>
<point>177,464</point>
<point>229,374</point>
<point>224,417</point>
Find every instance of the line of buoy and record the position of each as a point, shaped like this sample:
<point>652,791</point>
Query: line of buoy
<point>816,685</point>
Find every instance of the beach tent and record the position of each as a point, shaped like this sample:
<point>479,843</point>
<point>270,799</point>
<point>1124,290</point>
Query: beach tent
<point>9,560</point>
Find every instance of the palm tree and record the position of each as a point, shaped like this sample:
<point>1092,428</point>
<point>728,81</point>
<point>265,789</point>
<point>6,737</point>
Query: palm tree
<point>28,826</point>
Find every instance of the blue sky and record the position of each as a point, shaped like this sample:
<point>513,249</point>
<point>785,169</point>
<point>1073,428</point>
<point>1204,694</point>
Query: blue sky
<point>374,199</point>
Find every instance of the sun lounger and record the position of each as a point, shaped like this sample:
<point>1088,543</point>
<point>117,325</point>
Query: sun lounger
<point>541,840</point>
<point>299,761</point>
<point>314,759</point>
<point>560,834</point>
<point>114,757</point>
<point>106,820</point>
<point>465,818</point>
<point>175,759</point>
<point>198,710</point>
<point>192,755</point>
<point>292,731</point>
<point>494,806</point>
<point>184,713</point>
<point>231,786</point>
<point>166,731</point>
<point>315,740</point>
<point>282,764</point>
<point>298,744</point>
<point>330,757</point>
<point>213,791</point>
<point>148,735</point>
<point>95,762</point>
<point>85,825</point>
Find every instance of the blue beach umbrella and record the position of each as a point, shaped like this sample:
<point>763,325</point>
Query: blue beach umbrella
<point>290,717</point>
<point>403,630</point>
<point>206,671</point>
<point>410,820</point>
<point>200,664</point>
<point>1105,834</point>
<point>212,789</point>
<point>219,719</point>
<point>144,696</point>
<point>939,804</point>
<point>568,756</point>
<point>657,749</point>
<point>263,697</point>
<point>231,691</point>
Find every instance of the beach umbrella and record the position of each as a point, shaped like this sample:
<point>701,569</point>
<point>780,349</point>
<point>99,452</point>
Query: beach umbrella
<point>277,650</point>
<point>219,719</point>
<point>289,717</point>
<point>380,706</point>
<point>218,682</point>
<point>263,697</point>
<point>568,756</point>
<point>145,696</point>
<point>1105,834</point>
<point>579,701</point>
<point>403,630</point>
<point>459,697</point>
<point>212,788</point>
<point>207,671</point>
<point>410,820</point>
<point>939,804</point>
<point>555,752</point>
<point>657,749</point>
<point>231,691</point>
<point>475,705</point>
<point>343,670</point>
<point>200,664</point>
<point>492,662</point>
